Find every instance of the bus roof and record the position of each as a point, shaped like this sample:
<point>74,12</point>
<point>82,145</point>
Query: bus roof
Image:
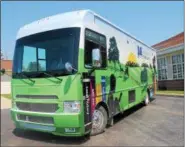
<point>63,20</point>
<point>71,19</point>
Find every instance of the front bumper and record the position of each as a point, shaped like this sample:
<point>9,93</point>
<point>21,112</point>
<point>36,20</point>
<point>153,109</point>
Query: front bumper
<point>61,121</point>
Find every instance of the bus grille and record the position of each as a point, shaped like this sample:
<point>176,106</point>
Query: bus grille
<point>35,119</point>
<point>37,107</point>
<point>37,96</point>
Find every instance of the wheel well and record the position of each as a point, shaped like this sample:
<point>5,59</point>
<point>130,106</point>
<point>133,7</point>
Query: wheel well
<point>104,105</point>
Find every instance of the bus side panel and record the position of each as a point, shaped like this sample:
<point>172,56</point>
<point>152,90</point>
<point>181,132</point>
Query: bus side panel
<point>126,92</point>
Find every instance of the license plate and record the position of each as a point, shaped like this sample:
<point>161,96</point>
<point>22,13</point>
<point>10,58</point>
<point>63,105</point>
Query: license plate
<point>70,130</point>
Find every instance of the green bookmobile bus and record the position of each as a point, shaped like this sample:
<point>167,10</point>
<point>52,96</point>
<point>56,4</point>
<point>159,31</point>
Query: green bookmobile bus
<point>73,72</point>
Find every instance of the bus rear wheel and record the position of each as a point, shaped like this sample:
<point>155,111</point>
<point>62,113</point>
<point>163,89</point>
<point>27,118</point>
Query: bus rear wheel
<point>99,121</point>
<point>147,100</point>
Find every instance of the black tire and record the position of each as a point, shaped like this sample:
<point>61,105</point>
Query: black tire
<point>87,136</point>
<point>102,119</point>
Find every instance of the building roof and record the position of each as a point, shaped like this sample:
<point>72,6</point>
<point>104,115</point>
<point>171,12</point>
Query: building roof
<point>173,41</point>
<point>6,64</point>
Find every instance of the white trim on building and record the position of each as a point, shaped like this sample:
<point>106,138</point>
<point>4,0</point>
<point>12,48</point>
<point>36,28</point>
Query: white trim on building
<point>170,49</point>
<point>173,66</point>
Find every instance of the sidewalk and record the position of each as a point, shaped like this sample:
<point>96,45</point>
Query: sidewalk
<point>5,103</point>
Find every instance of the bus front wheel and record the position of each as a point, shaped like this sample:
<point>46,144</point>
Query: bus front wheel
<point>99,121</point>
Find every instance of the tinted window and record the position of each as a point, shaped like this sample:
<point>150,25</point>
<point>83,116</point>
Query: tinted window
<point>47,51</point>
<point>94,40</point>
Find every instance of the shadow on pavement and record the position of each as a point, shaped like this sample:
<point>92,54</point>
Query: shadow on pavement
<point>130,111</point>
<point>49,138</point>
<point>152,99</point>
<point>126,113</point>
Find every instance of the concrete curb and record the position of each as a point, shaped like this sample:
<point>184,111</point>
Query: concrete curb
<point>180,96</point>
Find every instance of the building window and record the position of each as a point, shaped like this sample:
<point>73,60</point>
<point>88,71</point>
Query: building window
<point>178,66</point>
<point>162,68</point>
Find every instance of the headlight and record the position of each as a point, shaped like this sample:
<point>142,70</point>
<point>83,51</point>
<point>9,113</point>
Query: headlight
<point>72,107</point>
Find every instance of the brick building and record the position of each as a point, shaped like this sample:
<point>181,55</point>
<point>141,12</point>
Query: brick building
<point>170,62</point>
<point>6,64</point>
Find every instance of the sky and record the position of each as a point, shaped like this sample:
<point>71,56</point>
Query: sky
<point>150,22</point>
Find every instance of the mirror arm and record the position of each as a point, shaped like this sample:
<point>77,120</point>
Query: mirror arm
<point>91,71</point>
<point>74,69</point>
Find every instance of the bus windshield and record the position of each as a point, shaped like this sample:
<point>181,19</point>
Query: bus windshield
<point>46,52</point>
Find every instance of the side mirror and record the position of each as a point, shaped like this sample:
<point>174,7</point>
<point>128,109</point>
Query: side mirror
<point>2,71</point>
<point>69,67</point>
<point>96,58</point>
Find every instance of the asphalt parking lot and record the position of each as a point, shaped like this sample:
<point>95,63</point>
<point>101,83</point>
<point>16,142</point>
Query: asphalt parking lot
<point>158,124</point>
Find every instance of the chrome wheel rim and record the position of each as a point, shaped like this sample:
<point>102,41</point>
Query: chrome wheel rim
<point>147,100</point>
<point>97,119</point>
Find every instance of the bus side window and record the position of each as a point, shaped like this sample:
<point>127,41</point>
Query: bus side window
<point>89,46</point>
<point>93,43</point>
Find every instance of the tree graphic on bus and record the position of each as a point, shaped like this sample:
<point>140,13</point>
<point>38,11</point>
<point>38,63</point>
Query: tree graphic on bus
<point>113,52</point>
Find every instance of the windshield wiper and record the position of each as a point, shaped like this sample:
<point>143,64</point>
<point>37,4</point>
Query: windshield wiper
<point>51,75</point>
<point>23,75</point>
